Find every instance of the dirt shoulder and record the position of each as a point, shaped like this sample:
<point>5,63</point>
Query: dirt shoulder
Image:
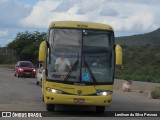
<point>136,86</point>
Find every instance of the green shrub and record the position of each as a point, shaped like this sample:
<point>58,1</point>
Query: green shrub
<point>10,66</point>
<point>155,93</point>
<point>140,63</point>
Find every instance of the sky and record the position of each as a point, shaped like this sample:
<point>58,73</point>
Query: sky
<point>127,17</point>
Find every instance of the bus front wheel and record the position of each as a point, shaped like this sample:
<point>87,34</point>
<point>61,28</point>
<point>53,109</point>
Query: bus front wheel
<point>50,107</point>
<point>100,109</point>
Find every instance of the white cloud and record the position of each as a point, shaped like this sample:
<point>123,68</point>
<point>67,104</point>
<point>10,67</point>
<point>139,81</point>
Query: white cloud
<point>125,16</point>
<point>3,33</point>
<point>122,15</point>
<point>41,14</point>
<point>12,11</point>
<point>131,17</point>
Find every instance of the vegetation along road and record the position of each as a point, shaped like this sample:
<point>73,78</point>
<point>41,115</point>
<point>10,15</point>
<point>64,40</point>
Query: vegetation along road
<point>22,94</point>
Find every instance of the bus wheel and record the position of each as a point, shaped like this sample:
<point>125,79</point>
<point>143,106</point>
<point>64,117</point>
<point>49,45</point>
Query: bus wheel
<point>50,107</point>
<point>100,109</point>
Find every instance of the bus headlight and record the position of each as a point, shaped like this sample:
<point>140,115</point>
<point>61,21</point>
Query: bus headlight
<point>104,93</point>
<point>53,90</point>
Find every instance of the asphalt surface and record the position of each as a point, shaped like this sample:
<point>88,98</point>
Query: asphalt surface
<point>22,94</point>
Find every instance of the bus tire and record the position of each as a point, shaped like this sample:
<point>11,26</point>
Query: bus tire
<point>50,107</point>
<point>100,109</point>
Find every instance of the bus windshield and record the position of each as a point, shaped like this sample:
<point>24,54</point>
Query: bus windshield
<point>80,56</point>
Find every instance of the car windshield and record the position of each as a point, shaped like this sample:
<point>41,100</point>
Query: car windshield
<point>77,55</point>
<point>25,64</point>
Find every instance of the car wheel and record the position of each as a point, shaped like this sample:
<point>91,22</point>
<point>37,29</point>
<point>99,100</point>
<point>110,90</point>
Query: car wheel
<point>100,109</point>
<point>50,107</point>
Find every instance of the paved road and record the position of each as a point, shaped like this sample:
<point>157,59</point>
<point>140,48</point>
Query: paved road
<point>19,93</point>
<point>22,94</point>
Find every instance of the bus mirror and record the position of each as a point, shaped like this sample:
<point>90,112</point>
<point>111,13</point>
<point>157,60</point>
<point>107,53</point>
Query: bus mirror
<point>42,51</point>
<point>118,50</point>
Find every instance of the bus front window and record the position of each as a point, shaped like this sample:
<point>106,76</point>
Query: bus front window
<point>65,49</point>
<point>87,56</point>
<point>97,56</point>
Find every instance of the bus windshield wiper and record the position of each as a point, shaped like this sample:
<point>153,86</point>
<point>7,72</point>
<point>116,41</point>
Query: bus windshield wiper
<point>74,67</point>
<point>90,71</point>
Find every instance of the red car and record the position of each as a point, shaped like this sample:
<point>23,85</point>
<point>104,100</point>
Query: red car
<point>25,68</point>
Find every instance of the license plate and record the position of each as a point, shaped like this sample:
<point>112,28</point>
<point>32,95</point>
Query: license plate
<point>27,73</point>
<point>78,100</point>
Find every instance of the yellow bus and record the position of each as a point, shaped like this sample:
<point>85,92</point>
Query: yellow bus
<point>87,74</point>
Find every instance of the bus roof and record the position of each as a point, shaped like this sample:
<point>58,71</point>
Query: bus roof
<point>78,24</point>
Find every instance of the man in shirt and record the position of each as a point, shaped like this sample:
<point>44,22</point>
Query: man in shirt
<point>97,64</point>
<point>62,63</point>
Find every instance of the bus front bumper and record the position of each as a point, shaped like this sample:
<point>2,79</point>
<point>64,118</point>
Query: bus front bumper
<point>51,98</point>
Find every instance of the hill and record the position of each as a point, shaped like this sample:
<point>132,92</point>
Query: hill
<point>152,38</point>
<point>141,57</point>
<point>140,63</point>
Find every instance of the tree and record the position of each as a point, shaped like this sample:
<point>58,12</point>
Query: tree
<point>26,45</point>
